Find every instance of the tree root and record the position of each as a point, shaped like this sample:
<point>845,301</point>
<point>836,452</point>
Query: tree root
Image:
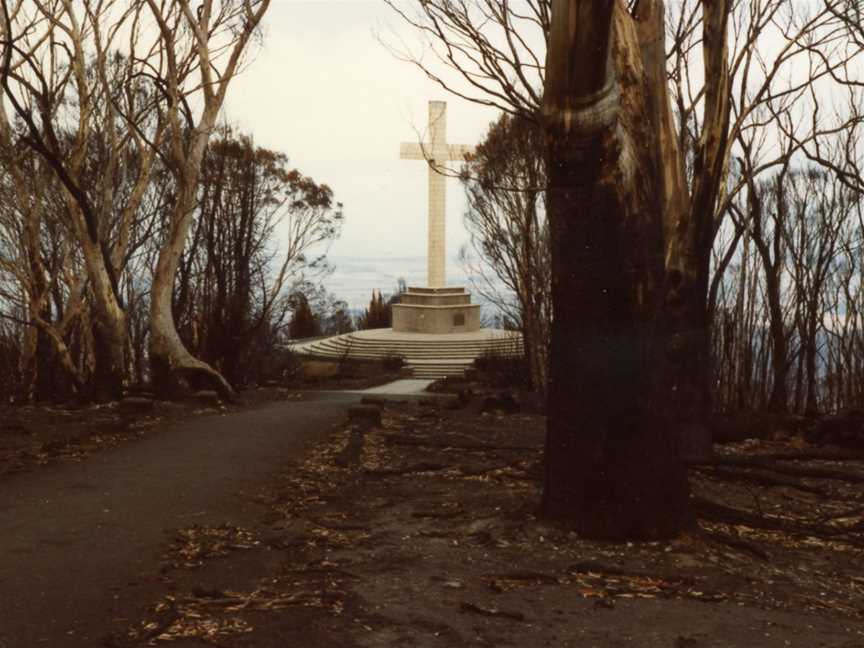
<point>607,569</point>
<point>721,513</point>
<point>760,477</point>
<point>770,458</point>
<point>818,473</point>
<point>219,383</point>
<point>774,464</point>
<point>737,543</point>
<point>715,511</point>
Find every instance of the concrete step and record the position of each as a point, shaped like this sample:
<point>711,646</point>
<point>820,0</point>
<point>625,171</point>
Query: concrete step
<point>419,348</point>
<point>427,357</point>
<point>436,374</point>
<point>430,340</point>
<point>422,343</point>
<point>335,353</point>
<point>336,349</point>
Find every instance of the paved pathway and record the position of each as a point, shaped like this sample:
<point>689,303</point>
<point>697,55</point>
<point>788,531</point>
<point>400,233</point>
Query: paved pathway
<point>75,538</point>
<point>403,387</point>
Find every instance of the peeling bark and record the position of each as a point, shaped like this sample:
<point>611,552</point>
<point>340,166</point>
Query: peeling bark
<point>614,467</point>
<point>187,140</point>
<point>109,326</point>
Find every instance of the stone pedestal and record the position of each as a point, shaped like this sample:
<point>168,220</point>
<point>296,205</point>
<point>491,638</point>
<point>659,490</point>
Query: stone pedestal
<point>436,310</point>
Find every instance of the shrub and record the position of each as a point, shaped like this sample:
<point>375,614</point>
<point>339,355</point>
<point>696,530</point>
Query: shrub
<point>280,364</point>
<point>501,370</point>
<point>392,362</point>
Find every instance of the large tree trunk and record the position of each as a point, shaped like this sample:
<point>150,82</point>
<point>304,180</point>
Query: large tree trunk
<point>614,467</point>
<point>169,358</point>
<point>109,326</point>
<point>48,369</point>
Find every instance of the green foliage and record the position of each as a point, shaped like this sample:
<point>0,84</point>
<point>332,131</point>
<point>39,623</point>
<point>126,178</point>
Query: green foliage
<point>337,319</point>
<point>257,221</point>
<point>303,324</point>
<point>281,365</point>
<point>379,314</point>
<point>501,370</point>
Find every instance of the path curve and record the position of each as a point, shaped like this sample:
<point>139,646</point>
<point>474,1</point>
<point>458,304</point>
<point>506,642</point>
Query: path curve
<point>75,538</point>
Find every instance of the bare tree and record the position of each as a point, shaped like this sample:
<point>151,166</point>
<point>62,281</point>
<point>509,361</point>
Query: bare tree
<point>73,97</point>
<point>486,51</point>
<point>200,48</point>
<point>41,273</point>
<point>253,210</point>
<point>781,58</point>
<point>505,183</point>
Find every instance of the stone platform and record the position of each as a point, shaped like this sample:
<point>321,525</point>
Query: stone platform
<point>436,311</point>
<point>427,355</point>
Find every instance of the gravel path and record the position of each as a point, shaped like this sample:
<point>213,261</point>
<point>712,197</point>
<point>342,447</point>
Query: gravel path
<point>77,537</point>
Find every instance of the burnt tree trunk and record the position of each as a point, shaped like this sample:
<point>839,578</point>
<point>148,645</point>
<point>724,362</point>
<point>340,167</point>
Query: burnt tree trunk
<point>614,464</point>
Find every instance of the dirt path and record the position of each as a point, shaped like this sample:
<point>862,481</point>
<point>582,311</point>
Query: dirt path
<point>76,538</point>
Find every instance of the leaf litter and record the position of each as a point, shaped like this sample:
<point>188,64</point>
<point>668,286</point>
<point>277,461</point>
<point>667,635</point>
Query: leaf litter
<point>387,545</point>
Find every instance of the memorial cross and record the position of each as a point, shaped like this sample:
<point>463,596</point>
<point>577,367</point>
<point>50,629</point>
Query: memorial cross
<point>436,151</point>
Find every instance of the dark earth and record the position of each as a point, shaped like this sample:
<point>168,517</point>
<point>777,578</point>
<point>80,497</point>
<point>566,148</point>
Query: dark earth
<point>280,524</point>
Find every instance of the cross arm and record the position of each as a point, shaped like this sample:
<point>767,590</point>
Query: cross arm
<point>411,151</point>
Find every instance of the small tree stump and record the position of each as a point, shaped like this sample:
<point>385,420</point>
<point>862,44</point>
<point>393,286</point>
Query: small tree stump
<point>353,450</point>
<point>364,415</point>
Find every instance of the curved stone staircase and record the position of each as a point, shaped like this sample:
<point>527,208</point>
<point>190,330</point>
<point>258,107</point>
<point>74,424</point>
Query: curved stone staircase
<point>429,356</point>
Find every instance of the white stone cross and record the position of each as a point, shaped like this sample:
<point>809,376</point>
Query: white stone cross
<point>436,152</point>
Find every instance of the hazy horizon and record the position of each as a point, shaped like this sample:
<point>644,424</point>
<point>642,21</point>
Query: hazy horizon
<point>356,276</point>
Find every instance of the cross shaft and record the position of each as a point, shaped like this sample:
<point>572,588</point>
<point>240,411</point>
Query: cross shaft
<point>436,151</point>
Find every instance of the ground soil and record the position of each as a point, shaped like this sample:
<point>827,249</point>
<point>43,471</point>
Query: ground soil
<point>424,532</point>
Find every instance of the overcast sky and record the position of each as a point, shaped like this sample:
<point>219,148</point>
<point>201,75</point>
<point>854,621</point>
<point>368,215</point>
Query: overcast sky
<point>323,90</point>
